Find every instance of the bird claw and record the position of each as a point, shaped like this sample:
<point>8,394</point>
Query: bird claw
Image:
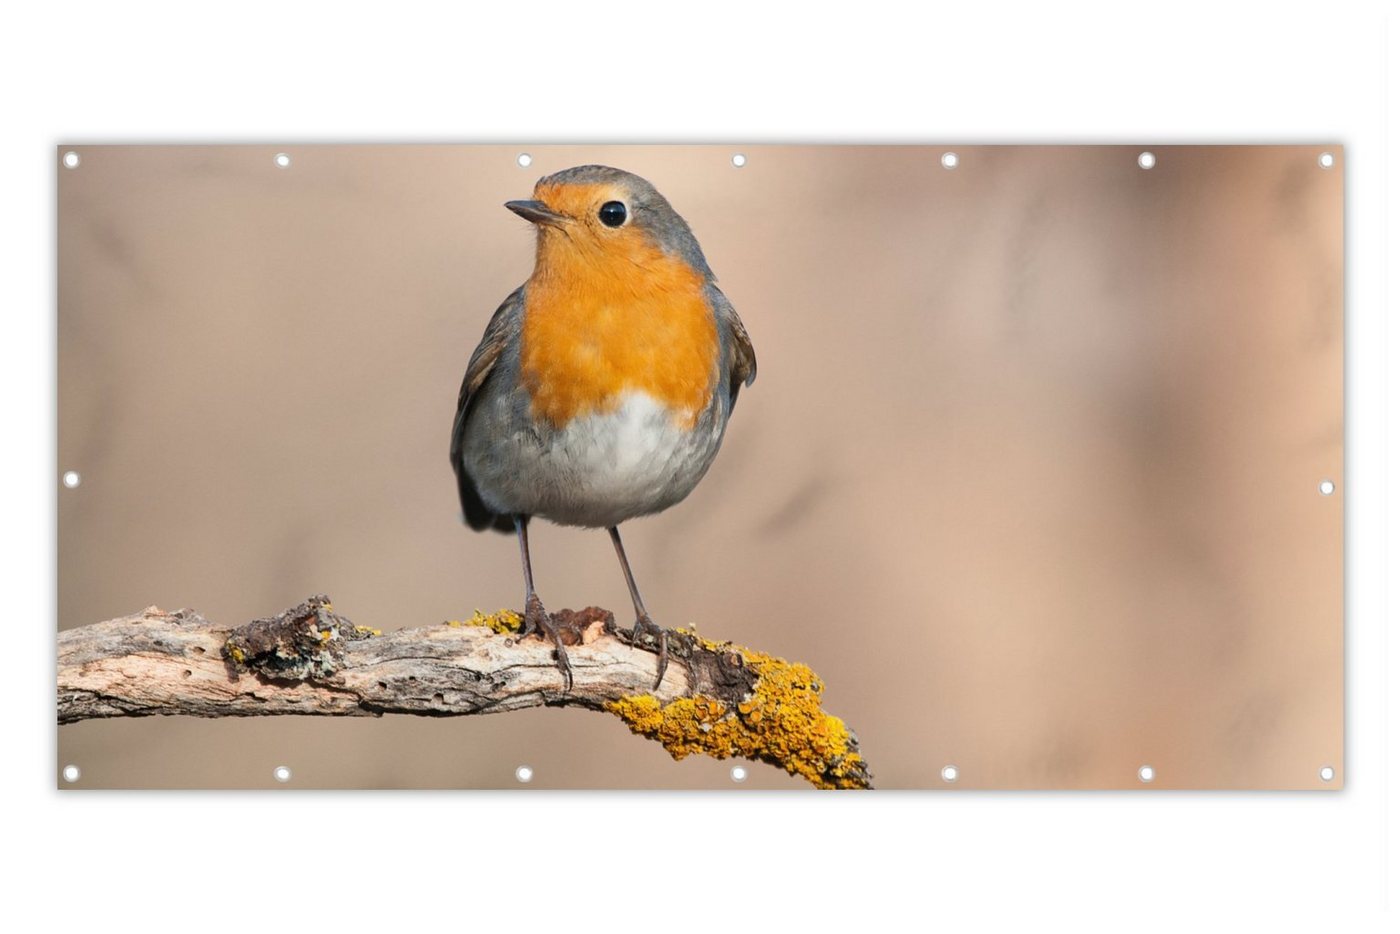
<point>538,622</point>
<point>656,635</point>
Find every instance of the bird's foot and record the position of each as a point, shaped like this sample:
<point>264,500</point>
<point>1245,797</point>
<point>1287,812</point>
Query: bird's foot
<point>538,622</point>
<point>645,632</point>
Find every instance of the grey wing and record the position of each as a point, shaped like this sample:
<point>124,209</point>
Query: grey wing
<point>504,324</point>
<point>739,363</point>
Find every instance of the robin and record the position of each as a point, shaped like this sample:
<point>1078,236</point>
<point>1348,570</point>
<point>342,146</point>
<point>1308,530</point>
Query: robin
<point>602,386</point>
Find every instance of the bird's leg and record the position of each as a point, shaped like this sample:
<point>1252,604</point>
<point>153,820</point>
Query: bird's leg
<point>536,619</point>
<point>644,623</point>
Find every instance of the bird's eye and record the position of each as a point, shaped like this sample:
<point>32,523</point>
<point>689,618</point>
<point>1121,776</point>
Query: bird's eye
<point>613,213</point>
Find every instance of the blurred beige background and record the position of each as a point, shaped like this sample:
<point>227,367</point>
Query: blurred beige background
<point>1029,474</point>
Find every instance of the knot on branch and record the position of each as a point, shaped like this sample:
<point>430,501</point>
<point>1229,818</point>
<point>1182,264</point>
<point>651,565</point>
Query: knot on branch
<point>576,627</point>
<point>302,643</point>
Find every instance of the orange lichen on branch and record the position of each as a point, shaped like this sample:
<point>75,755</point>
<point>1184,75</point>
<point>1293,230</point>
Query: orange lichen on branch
<point>502,622</point>
<point>781,722</point>
<point>576,627</point>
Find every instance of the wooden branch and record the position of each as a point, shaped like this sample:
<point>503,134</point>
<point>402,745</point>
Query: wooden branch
<point>716,698</point>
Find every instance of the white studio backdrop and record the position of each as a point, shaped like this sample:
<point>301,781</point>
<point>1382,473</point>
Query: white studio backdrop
<point>729,72</point>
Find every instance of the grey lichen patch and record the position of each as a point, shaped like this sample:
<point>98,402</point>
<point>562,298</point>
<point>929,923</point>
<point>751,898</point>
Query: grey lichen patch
<point>305,642</point>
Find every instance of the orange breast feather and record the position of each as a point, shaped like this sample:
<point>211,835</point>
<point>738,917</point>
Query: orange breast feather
<point>605,319</point>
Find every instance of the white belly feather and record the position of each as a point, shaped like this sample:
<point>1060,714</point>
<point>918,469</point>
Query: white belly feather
<point>601,469</point>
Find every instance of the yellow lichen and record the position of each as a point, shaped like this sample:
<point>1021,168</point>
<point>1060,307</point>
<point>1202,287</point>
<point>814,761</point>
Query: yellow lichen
<point>236,653</point>
<point>782,722</point>
<point>500,622</point>
<point>367,631</point>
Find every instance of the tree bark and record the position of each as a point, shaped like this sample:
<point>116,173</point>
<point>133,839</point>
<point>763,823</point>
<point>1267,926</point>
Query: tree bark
<point>311,661</point>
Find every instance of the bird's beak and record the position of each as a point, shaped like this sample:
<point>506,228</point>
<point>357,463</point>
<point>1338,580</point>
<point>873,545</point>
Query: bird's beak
<point>537,212</point>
